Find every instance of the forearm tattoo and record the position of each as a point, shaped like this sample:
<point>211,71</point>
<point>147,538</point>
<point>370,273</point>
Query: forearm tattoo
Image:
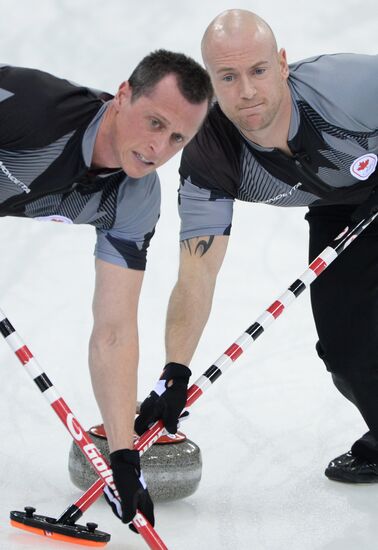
<point>201,246</point>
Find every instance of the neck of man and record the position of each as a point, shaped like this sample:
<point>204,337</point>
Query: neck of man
<point>275,135</point>
<point>103,150</point>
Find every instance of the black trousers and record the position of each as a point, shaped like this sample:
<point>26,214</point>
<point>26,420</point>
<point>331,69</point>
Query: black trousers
<point>345,307</point>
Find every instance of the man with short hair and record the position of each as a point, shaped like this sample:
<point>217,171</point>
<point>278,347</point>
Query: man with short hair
<point>304,134</point>
<point>76,155</point>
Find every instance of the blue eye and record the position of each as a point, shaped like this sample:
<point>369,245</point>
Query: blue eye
<point>259,71</point>
<point>155,123</point>
<point>178,138</point>
<point>228,78</point>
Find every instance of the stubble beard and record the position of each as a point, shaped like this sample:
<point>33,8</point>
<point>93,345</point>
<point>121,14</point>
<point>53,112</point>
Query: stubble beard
<point>263,121</point>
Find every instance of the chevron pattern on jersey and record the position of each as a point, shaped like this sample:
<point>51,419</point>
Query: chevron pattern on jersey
<point>5,94</point>
<point>257,185</point>
<point>324,126</point>
<point>108,201</point>
<point>79,206</point>
<point>342,162</point>
<point>27,165</point>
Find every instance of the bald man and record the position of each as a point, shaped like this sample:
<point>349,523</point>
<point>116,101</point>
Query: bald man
<point>304,134</point>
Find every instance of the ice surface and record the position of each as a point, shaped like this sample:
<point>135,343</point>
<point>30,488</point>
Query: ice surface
<point>270,426</point>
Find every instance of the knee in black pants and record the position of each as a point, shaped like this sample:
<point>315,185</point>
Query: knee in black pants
<point>344,387</point>
<point>360,388</point>
<point>338,379</point>
<point>367,446</point>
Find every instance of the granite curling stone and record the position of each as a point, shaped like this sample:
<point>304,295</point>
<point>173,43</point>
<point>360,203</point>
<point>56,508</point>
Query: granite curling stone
<point>172,467</point>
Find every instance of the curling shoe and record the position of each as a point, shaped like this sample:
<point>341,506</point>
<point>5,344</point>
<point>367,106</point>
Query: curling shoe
<point>352,469</point>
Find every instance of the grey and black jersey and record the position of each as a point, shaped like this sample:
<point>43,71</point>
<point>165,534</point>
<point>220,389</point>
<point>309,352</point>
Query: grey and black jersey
<point>333,138</point>
<point>47,135</point>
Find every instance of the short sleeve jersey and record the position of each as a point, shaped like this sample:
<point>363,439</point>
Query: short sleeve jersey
<point>333,138</point>
<point>47,135</point>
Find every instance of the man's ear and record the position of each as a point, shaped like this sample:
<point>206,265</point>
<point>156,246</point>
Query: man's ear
<point>123,94</point>
<point>283,63</point>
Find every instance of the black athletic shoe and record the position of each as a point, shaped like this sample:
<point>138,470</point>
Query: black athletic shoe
<point>352,469</point>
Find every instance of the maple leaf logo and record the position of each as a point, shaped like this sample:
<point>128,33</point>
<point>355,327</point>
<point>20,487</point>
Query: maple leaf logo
<point>363,165</point>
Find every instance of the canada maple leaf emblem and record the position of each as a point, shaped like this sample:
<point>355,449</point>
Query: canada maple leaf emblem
<point>363,165</point>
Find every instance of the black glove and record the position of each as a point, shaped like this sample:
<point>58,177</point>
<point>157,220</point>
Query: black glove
<point>165,402</point>
<point>131,487</point>
<point>367,208</point>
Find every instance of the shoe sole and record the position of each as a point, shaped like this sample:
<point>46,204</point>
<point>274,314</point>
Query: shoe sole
<point>345,478</point>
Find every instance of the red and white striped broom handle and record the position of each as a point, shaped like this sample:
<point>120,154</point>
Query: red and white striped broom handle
<point>325,258</point>
<point>80,436</point>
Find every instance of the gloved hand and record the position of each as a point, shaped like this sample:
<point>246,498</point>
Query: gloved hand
<point>132,489</point>
<point>166,401</point>
<point>367,208</point>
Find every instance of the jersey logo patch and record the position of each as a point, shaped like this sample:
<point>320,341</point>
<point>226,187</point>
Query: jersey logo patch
<point>53,218</point>
<point>364,166</point>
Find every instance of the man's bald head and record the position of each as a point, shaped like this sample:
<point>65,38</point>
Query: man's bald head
<point>235,27</point>
<point>248,73</point>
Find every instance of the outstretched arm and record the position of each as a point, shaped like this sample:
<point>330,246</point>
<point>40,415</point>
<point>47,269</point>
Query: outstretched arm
<point>113,360</point>
<point>190,302</point>
<point>188,311</point>
<point>114,351</point>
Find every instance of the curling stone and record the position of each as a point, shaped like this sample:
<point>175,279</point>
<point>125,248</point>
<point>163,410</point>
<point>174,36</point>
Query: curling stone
<point>172,467</point>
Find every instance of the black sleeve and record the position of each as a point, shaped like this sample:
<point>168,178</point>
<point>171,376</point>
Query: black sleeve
<point>37,108</point>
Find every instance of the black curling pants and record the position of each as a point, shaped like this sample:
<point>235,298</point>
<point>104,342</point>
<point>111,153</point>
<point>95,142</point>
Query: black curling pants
<point>345,307</point>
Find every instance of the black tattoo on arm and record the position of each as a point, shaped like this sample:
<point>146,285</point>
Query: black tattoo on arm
<point>201,247</point>
<point>185,245</point>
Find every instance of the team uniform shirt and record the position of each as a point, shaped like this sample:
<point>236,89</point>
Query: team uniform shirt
<point>48,128</point>
<point>333,138</point>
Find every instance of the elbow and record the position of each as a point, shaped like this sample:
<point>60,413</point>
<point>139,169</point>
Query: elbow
<point>203,280</point>
<point>110,339</point>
